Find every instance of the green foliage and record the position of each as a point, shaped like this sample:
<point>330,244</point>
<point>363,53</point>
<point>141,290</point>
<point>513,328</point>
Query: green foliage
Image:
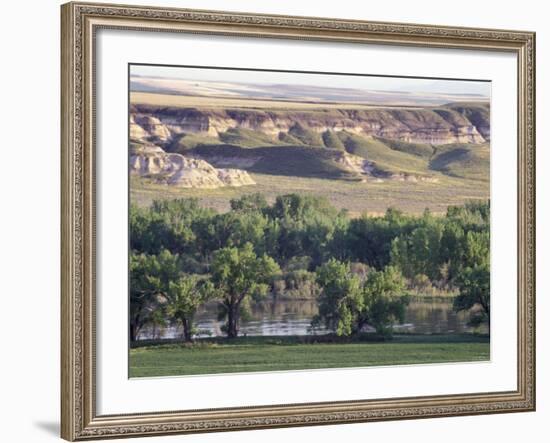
<point>474,291</point>
<point>299,207</point>
<point>149,277</point>
<point>308,226</point>
<point>473,275</point>
<point>369,238</point>
<point>163,268</point>
<point>466,237</point>
<point>341,297</point>
<point>298,263</point>
<point>475,215</point>
<point>234,229</point>
<point>159,290</point>
<point>179,248</point>
<point>383,301</point>
<point>418,251</point>
<point>300,284</point>
<point>422,283</point>
<point>185,294</point>
<point>347,303</point>
<point>141,293</point>
<point>249,202</point>
<point>237,274</point>
<point>454,251</point>
<point>166,224</point>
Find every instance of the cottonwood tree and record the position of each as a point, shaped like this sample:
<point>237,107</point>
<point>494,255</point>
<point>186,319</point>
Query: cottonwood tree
<point>474,279</point>
<point>184,296</point>
<point>347,303</point>
<point>141,294</point>
<point>340,299</point>
<point>383,301</point>
<point>237,275</point>
<point>474,290</point>
<point>149,277</point>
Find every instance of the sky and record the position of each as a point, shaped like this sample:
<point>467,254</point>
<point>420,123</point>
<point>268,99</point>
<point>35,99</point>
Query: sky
<point>365,82</point>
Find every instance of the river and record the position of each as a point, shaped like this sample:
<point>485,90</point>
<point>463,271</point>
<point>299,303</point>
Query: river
<point>293,317</point>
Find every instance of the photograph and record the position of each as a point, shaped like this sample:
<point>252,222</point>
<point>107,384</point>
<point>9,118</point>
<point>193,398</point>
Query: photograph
<point>292,220</point>
<point>275,220</point>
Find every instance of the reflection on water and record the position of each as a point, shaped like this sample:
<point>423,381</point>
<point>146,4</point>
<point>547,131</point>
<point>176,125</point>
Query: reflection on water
<point>293,317</point>
<point>267,318</point>
<point>435,316</point>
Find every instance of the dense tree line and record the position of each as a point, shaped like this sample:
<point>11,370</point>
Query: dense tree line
<point>184,255</point>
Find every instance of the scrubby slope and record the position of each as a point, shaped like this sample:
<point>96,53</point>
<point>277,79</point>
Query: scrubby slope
<point>463,161</point>
<point>385,158</point>
<point>366,144</point>
<point>298,161</point>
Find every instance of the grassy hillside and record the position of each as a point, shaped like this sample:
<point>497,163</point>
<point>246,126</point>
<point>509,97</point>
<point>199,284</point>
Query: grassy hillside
<point>384,157</point>
<point>296,161</point>
<point>247,138</point>
<point>418,149</point>
<point>307,136</point>
<point>184,142</point>
<point>289,139</point>
<point>332,141</point>
<point>294,145</point>
<point>303,152</point>
<point>463,161</point>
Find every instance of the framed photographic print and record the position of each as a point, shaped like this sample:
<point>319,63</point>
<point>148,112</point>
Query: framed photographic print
<point>277,221</point>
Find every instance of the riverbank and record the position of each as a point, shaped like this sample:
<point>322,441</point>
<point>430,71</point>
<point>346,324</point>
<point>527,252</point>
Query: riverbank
<point>253,354</point>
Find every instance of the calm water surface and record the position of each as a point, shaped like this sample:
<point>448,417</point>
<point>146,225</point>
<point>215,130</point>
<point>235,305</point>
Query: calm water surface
<point>293,317</point>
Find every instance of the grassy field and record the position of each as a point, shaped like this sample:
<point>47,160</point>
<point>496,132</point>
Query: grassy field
<point>374,198</point>
<point>211,356</point>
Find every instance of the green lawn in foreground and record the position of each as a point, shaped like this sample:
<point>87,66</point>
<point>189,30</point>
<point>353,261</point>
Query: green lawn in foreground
<point>289,353</point>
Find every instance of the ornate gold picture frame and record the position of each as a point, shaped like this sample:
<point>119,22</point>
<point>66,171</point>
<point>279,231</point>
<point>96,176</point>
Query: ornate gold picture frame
<point>80,23</point>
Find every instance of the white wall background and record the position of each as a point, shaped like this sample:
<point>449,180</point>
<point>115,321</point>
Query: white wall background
<point>29,221</point>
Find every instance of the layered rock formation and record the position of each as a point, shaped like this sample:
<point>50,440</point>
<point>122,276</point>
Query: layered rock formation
<point>437,126</point>
<point>214,147</point>
<point>182,171</point>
